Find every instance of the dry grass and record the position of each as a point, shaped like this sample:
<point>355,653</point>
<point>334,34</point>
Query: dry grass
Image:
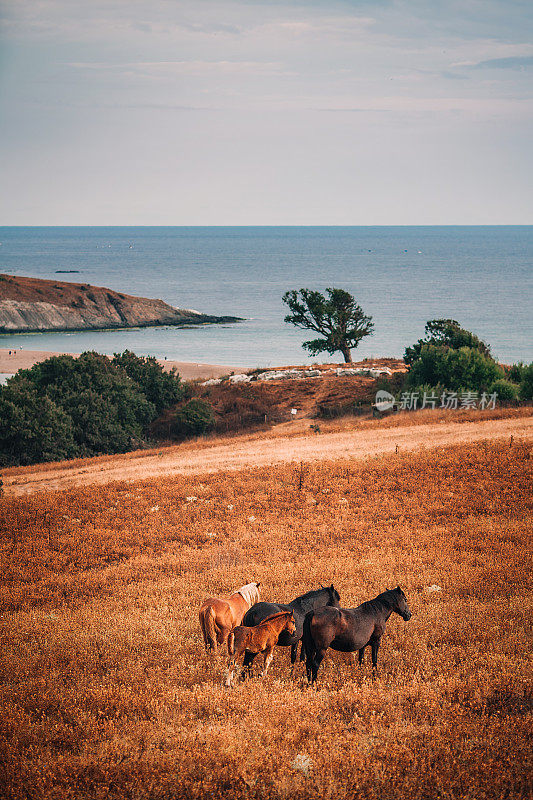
<point>106,692</point>
<point>294,429</point>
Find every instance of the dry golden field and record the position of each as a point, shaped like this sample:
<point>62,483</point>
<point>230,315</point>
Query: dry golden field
<point>285,443</point>
<point>107,693</point>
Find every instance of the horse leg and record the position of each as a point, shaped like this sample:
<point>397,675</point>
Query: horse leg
<point>309,669</point>
<point>375,647</point>
<point>316,662</point>
<point>269,655</point>
<point>294,653</point>
<point>361,655</point>
<point>247,666</point>
<point>230,673</point>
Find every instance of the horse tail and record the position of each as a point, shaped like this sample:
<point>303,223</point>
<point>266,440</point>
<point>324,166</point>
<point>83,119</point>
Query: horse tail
<point>308,643</point>
<point>207,621</point>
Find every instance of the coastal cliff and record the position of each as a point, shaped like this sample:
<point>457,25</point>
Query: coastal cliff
<point>29,305</point>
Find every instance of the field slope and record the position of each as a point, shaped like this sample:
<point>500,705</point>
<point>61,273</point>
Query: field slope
<point>106,691</point>
<point>277,447</point>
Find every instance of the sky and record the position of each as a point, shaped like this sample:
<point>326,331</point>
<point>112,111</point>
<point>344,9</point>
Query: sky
<point>310,112</point>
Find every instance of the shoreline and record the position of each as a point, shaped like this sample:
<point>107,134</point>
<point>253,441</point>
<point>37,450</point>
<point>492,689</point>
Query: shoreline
<point>188,370</point>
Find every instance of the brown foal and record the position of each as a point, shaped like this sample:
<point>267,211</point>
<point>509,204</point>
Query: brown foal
<point>261,638</point>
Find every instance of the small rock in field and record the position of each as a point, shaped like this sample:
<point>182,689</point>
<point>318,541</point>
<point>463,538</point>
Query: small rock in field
<point>302,763</point>
<point>433,588</point>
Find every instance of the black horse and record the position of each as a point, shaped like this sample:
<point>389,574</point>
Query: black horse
<point>300,606</point>
<point>350,629</point>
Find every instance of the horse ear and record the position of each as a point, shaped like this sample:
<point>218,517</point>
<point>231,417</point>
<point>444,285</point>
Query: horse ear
<point>322,587</point>
<point>258,584</point>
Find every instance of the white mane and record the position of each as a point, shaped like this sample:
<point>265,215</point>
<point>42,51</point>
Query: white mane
<point>250,592</point>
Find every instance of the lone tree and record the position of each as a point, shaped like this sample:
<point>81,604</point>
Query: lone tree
<point>338,319</point>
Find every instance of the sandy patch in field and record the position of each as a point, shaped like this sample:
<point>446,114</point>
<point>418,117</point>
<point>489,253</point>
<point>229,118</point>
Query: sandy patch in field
<point>235,455</point>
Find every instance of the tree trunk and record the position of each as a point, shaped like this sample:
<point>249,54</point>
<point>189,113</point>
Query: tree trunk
<point>347,353</point>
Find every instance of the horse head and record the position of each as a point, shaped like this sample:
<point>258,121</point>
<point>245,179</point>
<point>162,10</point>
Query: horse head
<point>401,606</point>
<point>290,627</point>
<point>334,597</point>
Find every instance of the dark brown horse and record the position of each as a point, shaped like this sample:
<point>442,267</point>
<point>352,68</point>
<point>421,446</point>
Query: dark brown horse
<point>300,606</point>
<point>350,629</point>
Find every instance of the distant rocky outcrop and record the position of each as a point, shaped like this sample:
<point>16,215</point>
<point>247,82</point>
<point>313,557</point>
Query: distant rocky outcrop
<point>292,374</point>
<point>29,305</point>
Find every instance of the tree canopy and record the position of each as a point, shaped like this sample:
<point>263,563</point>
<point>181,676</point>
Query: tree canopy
<point>445,333</point>
<point>337,318</point>
<point>68,407</point>
<point>452,357</point>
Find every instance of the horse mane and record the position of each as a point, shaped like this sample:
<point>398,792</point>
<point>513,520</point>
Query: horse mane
<point>384,599</point>
<point>310,594</point>
<point>250,592</point>
<point>275,616</point>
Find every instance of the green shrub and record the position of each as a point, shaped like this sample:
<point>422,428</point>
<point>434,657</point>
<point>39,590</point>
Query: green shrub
<point>445,333</point>
<point>161,388</point>
<point>515,372</point>
<point>394,384</point>
<point>466,368</point>
<point>33,428</point>
<point>526,384</point>
<point>433,395</point>
<point>66,407</point>
<point>506,390</point>
<point>195,418</point>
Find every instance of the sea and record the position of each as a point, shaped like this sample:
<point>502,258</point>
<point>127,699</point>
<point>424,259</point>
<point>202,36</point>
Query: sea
<point>401,277</point>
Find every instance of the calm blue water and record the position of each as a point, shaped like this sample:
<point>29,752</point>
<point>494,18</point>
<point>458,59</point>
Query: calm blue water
<point>402,276</point>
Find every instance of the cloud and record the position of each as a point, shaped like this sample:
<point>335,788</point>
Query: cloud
<point>453,76</point>
<point>193,67</point>
<point>512,62</point>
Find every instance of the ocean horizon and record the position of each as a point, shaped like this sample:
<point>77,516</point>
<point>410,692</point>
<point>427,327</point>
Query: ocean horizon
<point>401,275</point>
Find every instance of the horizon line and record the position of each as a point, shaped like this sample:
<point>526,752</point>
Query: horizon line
<point>287,225</point>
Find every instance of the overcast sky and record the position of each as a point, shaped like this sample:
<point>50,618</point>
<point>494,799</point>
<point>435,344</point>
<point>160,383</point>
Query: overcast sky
<point>193,112</point>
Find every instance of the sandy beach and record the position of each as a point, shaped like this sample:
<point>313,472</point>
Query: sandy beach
<point>12,360</point>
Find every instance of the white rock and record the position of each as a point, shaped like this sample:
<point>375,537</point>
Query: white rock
<point>302,763</point>
<point>433,588</point>
<point>272,376</point>
<point>240,378</point>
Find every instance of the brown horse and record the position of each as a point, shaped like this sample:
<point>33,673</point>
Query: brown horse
<point>261,638</point>
<point>219,615</point>
<point>350,629</point>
